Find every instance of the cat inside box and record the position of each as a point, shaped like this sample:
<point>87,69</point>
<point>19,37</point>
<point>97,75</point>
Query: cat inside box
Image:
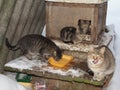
<point>70,34</point>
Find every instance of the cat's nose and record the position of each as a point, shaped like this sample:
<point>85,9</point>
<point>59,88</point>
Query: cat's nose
<point>95,61</point>
<point>95,58</point>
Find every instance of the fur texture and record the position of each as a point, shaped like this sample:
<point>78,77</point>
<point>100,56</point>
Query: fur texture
<point>68,34</point>
<point>35,46</point>
<point>84,26</point>
<point>101,61</point>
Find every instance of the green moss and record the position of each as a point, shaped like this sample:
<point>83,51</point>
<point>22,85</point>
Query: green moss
<point>87,81</point>
<point>59,77</point>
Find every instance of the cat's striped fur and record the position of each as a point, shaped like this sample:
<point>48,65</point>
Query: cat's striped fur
<point>35,45</point>
<point>67,34</point>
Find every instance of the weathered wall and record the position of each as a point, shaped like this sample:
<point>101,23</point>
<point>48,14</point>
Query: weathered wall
<point>18,18</point>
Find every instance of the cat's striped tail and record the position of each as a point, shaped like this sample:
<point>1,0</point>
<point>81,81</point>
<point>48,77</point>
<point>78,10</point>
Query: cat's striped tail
<point>9,46</point>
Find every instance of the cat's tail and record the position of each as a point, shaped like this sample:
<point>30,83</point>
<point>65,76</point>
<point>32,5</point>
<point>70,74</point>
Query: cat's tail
<point>9,46</point>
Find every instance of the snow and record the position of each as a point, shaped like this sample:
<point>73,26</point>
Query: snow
<point>76,47</point>
<point>113,17</point>
<point>8,84</point>
<point>23,63</point>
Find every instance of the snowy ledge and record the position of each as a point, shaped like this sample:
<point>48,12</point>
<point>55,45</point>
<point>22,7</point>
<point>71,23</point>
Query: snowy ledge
<point>35,67</point>
<point>22,63</point>
<point>80,1</point>
<point>85,47</point>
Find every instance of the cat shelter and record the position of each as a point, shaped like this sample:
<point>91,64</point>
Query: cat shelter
<point>28,16</point>
<point>62,13</point>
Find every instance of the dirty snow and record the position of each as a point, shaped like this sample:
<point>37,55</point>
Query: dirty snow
<point>23,63</point>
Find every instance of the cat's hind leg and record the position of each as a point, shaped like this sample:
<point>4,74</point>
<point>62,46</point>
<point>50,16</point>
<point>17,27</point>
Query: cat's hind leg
<point>32,56</point>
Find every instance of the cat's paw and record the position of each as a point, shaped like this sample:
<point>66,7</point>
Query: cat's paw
<point>98,78</point>
<point>94,78</point>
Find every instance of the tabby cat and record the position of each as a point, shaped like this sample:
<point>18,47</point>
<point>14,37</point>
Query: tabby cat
<point>35,46</point>
<point>101,61</point>
<point>84,26</point>
<point>67,34</point>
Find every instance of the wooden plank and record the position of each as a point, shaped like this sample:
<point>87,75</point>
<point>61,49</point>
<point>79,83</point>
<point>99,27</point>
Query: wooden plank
<point>80,47</point>
<point>76,54</point>
<point>53,84</point>
<point>84,5</point>
<point>32,68</point>
<point>79,1</point>
<point>95,26</point>
<point>104,17</point>
<point>56,76</point>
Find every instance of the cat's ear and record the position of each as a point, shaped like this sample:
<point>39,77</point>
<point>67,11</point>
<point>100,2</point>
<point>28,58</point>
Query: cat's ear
<point>102,50</point>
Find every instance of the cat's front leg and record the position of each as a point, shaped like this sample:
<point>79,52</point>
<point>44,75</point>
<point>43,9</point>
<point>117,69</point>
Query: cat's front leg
<point>95,76</point>
<point>98,76</point>
<point>101,76</point>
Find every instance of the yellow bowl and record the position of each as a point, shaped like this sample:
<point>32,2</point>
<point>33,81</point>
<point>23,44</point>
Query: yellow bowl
<point>66,59</point>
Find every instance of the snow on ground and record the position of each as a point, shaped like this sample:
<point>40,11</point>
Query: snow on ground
<point>8,84</point>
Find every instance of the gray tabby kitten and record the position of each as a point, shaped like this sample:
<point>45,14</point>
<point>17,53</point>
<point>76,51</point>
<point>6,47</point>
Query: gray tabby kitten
<point>67,34</point>
<point>101,61</point>
<point>36,46</point>
<point>84,26</point>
